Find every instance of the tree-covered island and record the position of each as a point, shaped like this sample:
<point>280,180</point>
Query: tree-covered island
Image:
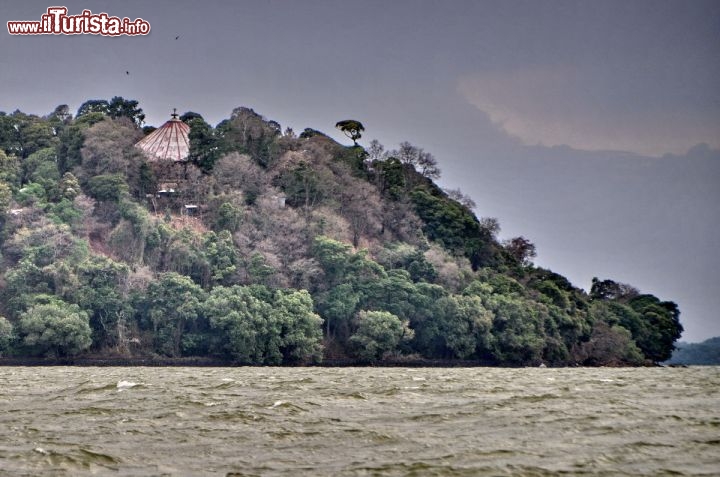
<point>259,246</point>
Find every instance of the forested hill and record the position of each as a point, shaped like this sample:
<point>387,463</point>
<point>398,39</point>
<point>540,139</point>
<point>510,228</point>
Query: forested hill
<point>271,247</point>
<point>705,353</point>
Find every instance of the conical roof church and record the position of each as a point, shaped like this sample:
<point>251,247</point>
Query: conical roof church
<point>169,142</point>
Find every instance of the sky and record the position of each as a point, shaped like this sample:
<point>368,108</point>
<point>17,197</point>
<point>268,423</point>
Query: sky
<point>590,128</point>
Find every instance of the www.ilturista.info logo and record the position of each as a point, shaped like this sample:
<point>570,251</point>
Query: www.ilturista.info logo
<point>57,22</point>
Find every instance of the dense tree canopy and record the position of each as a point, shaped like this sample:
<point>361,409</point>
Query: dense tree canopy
<point>271,248</point>
<point>378,333</point>
<point>117,107</point>
<point>705,353</point>
<point>55,329</point>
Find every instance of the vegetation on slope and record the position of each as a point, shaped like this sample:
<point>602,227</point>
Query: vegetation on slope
<point>300,248</point>
<point>705,353</point>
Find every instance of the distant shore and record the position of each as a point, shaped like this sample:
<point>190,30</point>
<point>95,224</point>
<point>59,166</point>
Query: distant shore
<point>214,362</point>
<point>201,362</point>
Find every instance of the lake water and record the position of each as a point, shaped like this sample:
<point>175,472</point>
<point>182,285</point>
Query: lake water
<point>359,421</point>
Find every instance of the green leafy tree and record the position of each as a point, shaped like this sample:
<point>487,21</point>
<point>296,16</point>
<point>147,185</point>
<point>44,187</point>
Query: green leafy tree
<point>453,226</point>
<point>119,107</point>
<point>69,186</point>
<point>40,260</point>
<point>662,326</point>
<point>258,326</point>
<point>72,140</point>
<point>259,270</point>
<point>240,318</point>
<point>228,217</point>
<point>10,171</point>
<point>248,132</point>
<point>300,327</point>
<point>35,161</point>
<point>390,177</point>
<point>221,255</point>
<point>93,106</point>
<point>21,281</point>
<point>304,184</point>
<point>61,113</point>
<point>44,243</point>
<point>611,290</point>
<point>378,333</point>
<point>498,284</point>
<point>205,148</point>
<point>337,306</point>
<point>5,199</point>
<point>556,296</point>
<point>55,329</point>
<point>334,256</point>
<point>8,135</point>
<point>30,134</point>
<point>32,194</point>
<point>189,116</point>
<point>351,128</point>
<point>108,187</point>
<point>457,327</point>
<point>310,133</point>
<point>653,324</point>
<point>172,307</point>
<point>407,257</point>
<point>518,335</point>
<point>394,292</point>
<point>6,336</point>
<point>99,293</point>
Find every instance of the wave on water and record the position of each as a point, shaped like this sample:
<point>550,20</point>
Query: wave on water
<point>288,407</point>
<point>123,385</point>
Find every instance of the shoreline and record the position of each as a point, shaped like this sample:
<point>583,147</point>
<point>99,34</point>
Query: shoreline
<point>199,362</point>
<point>214,362</point>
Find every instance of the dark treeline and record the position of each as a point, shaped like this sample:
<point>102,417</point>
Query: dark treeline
<point>268,247</point>
<point>706,353</point>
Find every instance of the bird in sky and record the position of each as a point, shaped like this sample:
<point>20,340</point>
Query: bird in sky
<point>177,37</point>
<point>127,72</point>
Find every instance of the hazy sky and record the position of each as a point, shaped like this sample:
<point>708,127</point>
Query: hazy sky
<point>590,127</point>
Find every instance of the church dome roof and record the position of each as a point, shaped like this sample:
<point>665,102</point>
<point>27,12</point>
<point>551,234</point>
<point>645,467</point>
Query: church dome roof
<point>169,142</point>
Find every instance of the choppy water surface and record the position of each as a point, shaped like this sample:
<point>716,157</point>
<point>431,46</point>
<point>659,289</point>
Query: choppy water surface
<point>359,421</point>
